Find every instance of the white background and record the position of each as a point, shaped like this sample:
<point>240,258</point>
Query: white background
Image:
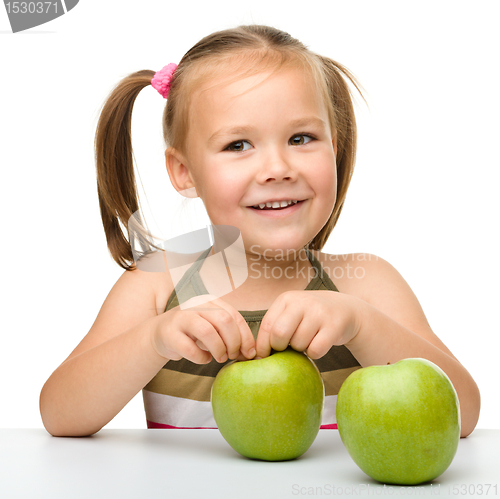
<point>424,193</point>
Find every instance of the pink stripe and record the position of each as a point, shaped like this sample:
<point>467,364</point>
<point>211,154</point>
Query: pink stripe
<point>328,427</point>
<point>153,425</point>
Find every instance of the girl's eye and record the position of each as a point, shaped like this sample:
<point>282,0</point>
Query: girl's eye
<point>299,140</point>
<point>239,146</point>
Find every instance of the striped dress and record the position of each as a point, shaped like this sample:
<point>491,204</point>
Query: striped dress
<point>179,395</point>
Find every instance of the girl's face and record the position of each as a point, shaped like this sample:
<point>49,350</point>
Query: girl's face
<point>263,139</point>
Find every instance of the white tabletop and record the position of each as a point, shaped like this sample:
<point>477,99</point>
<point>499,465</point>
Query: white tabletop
<point>200,464</point>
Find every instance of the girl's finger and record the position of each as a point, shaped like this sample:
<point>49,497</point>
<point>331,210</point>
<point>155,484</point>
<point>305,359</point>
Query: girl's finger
<point>320,344</point>
<point>202,330</point>
<point>305,332</point>
<point>185,347</point>
<point>246,339</point>
<point>285,326</point>
<point>231,326</point>
<point>201,345</point>
<point>245,342</point>
<point>225,325</point>
<point>247,348</point>
<point>266,328</point>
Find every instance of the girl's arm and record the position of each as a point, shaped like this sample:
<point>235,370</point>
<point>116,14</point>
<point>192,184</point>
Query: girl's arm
<point>392,326</point>
<point>130,341</point>
<point>111,364</point>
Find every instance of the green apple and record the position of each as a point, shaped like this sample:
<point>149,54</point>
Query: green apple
<point>400,423</point>
<point>269,408</point>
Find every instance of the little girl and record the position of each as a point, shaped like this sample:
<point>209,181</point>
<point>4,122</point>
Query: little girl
<point>263,131</point>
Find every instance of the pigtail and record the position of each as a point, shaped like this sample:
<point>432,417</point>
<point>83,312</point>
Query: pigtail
<point>116,185</point>
<point>337,78</point>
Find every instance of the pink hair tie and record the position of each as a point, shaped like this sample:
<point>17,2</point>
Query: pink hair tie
<point>161,80</point>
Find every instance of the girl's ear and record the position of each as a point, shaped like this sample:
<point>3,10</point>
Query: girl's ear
<point>334,142</point>
<point>179,174</point>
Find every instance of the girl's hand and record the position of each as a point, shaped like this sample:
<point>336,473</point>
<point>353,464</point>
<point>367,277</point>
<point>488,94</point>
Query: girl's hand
<point>310,321</point>
<point>199,332</point>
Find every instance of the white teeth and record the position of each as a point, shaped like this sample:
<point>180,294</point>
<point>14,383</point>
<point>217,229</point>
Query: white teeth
<point>275,204</point>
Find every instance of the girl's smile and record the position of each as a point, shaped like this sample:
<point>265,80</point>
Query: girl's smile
<point>284,210</point>
<point>255,144</point>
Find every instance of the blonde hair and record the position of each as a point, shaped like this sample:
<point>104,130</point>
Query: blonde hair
<point>240,52</point>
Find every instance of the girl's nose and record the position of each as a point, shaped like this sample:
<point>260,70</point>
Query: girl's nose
<point>275,166</point>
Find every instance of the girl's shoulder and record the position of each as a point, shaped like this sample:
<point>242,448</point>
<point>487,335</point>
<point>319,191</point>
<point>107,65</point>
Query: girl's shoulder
<point>359,274</point>
<point>134,298</point>
<point>153,272</point>
<point>144,287</point>
<point>375,281</point>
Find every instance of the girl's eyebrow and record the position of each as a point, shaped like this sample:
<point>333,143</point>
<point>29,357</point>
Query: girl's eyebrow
<point>245,129</point>
<point>231,130</point>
